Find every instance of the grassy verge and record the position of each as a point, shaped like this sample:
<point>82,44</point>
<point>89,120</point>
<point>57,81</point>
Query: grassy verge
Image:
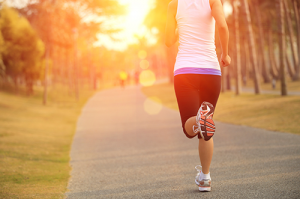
<point>270,112</point>
<point>35,142</point>
<point>291,85</point>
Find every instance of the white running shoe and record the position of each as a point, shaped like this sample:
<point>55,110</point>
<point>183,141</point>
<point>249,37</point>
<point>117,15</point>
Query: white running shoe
<point>203,184</point>
<point>205,125</point>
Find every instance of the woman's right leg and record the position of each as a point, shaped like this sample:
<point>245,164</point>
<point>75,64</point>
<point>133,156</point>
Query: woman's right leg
<point>206,149</point>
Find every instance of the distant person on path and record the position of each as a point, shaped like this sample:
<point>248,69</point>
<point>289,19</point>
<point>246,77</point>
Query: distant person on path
<point>123,77</point>
<point>137,77</point>
<point>197,74</point>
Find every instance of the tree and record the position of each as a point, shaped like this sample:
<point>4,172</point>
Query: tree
<point>2,66</point>
<point>237,47</point>
<point>282,49</point>
<point>57,21</point>
<point>273,64</point>
<point>253,57</point>
<point>291,38</point>
<point>23,50</point>
<point>265,69</point>
<point>296,6</point>
<point>156,19</point>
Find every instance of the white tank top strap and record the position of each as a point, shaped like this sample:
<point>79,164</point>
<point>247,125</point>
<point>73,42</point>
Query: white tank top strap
<point>196,28</point>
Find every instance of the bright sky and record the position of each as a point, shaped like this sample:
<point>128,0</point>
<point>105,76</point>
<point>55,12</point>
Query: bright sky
<point>16,3</point>
<point>131,23</point>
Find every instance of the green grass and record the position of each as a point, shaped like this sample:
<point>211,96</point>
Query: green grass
<point>35,143</point>
<point>291,85</point>
<point>270,112</point>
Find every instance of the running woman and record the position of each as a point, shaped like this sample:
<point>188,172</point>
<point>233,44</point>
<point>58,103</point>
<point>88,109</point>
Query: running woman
<point>197,74</point>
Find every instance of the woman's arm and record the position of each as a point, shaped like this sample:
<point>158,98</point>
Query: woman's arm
<point>218,14</point>
<point>171,33</point>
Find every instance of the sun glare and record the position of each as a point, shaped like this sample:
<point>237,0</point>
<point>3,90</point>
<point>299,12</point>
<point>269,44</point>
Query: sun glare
<point>152,105</point>
<point>227,9</point>
<point>131,25</point>
<point>136,13</point>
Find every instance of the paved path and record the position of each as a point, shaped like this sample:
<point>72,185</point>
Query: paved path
<point>120,151</point>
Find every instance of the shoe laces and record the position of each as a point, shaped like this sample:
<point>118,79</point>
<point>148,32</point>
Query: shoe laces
<point>198,168</point>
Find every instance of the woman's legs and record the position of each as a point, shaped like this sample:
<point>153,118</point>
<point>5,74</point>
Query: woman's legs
<point>191,91</point>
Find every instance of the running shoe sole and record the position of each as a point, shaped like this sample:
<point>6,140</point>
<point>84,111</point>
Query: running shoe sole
<point>207,125</point>
<point>205,185</point>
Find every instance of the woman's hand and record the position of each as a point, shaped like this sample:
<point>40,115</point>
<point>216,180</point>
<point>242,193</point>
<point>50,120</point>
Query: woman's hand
<point>225,60</point>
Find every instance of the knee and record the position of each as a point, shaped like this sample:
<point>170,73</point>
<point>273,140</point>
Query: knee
<point>188,128</point>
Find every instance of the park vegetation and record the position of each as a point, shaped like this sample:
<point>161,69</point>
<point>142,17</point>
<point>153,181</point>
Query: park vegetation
<point>21,49</point>
<point>49,43</point>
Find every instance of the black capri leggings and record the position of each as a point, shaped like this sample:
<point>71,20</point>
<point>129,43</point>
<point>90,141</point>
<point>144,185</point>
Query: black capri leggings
<point>193,89</point>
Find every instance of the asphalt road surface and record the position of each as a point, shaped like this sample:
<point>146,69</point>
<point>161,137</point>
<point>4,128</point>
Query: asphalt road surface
<point>122,151</point>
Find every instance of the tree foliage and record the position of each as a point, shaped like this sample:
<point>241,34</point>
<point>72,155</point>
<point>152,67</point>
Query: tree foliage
<point>22,50</point>
<point>55,33</point>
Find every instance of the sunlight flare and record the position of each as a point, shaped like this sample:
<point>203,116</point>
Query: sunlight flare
<point>147,78</point>
<point>142,54</point>
<point>136,13</point>
<point>144,64</point>
<point>152,105</point>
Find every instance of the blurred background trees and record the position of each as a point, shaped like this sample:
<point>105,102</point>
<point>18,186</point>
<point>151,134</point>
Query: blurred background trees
<point>22,50</point>
<point>51,43</point>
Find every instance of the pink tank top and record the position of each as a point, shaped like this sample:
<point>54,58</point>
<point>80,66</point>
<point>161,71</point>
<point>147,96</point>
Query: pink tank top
<point>197,50</point>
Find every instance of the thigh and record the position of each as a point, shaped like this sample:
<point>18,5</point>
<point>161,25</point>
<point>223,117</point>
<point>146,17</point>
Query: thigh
<point>187,94</point>
<point>209,89</point>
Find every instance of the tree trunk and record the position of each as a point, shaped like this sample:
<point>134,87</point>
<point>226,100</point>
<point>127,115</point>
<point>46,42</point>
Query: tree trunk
<point>274,70</point>
<point>45,96</point>
<point>253,57</point>
<point>282,47</point>
<point>291,34</point>
<point>2,66</point>
<point>289,66</point>
<point>247,61</point>
<point>228,78</point>
<point>297,16</point>
<point>76,70</point>
<point>244,66</point>
<point>224,71</point>
<point>264,65</point>
<point>69,70</point>
<point>237,48</point>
